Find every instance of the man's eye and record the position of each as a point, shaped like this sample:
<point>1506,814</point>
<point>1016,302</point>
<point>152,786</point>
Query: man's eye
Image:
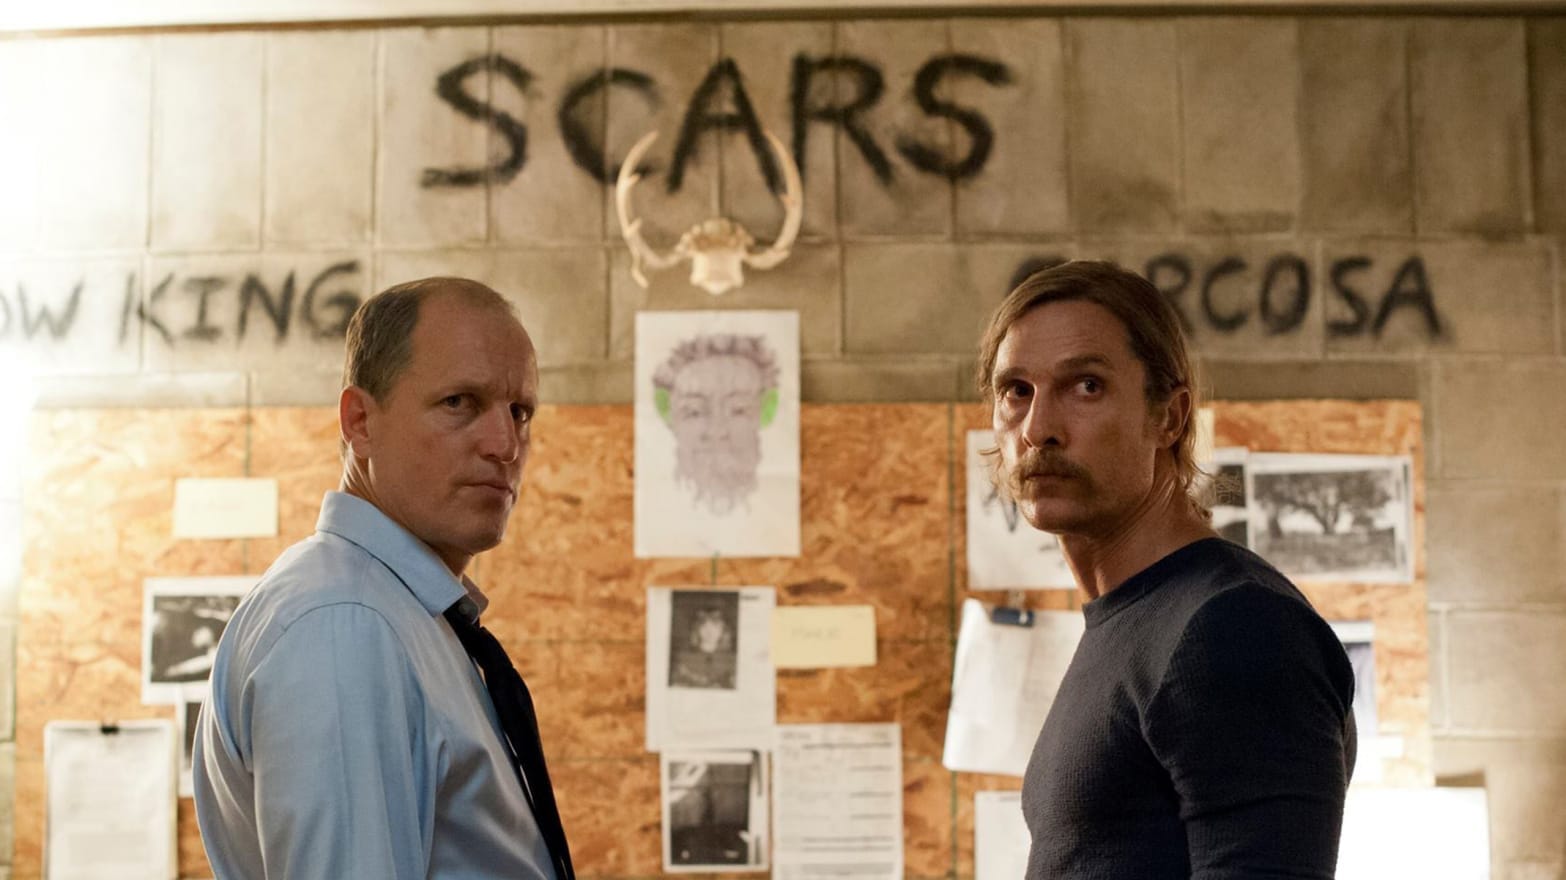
<point>521,414</point>
<point>454,401</point>
<point>1090,385</point>
<point>1016,390</point>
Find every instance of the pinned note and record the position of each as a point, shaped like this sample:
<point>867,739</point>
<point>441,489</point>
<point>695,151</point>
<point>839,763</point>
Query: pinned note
<point>225,508</point>
<point>821,636</point>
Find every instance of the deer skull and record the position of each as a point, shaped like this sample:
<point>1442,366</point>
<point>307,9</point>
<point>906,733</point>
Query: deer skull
<point>719,249</point>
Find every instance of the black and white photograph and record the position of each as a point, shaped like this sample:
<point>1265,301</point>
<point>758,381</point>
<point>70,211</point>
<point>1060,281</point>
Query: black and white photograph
<point>710,679</point>
<point>703,639</point>
<point>714,811</point>
<point>1231,512</point>
<point>1332,517</point>
<point>189,713</point>
<point>182,620</point>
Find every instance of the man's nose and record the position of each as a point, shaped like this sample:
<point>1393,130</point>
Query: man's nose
<point>500,437</point>
<point>1039,425</point>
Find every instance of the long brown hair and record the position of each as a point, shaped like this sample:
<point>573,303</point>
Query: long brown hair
<point>1152,328</point>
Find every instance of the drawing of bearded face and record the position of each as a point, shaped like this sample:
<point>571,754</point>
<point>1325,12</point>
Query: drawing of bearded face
<point>716,393</point>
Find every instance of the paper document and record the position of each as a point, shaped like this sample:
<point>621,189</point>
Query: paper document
<point>225,508</point>
<point>823,636</point>
<point>839,801</point>
<point>710,682</point>
<point>1003,682</point>
<point>1429,833</point>
<point>1000,836</point>
<point>110,802</point>
<point>714,811</point>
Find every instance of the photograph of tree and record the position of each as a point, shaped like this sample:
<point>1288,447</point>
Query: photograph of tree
<point>1332,517</point>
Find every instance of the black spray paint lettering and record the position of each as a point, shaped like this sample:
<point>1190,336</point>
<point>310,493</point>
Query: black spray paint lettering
<point>585,147</point>
<point>981,135</point>
<point>864,89</point>
<point>452,88</point>
<point>29,317</point>
<point>701,117</point>
<point>1284,294</point>
<point>323,312</point>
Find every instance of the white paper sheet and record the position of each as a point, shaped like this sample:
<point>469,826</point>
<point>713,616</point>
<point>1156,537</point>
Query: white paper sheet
<point>110,805</point>
<point>1000,836</point>
<point>714,811</point>
<point>181,621</point>
<point>230,507</point>
<point>1429,833</point>
<point>710,681</point>
<point>1333,517</point>
<point>839,801</point>
<point>1004,552</point>
<point>717,434</point>
<point>1003,682</point>
<point>823,636</point>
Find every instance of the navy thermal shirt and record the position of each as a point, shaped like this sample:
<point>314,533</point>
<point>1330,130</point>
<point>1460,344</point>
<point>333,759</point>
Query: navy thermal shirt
<point>1203,730</point>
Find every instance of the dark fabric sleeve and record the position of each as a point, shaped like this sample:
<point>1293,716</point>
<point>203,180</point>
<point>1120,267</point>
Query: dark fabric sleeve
<point>1252,723</point>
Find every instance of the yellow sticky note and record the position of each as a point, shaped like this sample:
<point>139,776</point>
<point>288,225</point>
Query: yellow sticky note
<point>225,508</point>
<point>819,636</point>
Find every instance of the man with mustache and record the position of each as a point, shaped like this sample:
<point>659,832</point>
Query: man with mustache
<point>1203,729</point>
<point>349,733</point>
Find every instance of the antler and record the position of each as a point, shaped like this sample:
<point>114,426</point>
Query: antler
<point>631,229</point>
<point>793,207</point>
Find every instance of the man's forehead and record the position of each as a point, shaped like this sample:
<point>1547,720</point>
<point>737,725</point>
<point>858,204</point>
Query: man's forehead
<point>1065,334</point>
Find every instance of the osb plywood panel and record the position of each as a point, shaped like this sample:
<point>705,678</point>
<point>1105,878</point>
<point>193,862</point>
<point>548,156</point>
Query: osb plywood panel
<point>97,519</point>
<point>882,510</point>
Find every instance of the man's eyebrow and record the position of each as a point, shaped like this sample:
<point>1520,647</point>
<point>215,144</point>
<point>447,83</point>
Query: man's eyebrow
<point>1085,361</point>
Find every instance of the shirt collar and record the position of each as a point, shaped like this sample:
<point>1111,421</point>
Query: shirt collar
<point>429,580</point>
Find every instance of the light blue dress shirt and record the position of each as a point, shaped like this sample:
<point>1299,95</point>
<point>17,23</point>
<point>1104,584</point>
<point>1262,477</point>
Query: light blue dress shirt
<point>348,734</point>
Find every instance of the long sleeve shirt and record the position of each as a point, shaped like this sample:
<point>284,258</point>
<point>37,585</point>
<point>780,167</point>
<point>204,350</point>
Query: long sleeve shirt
<point>348,733</point>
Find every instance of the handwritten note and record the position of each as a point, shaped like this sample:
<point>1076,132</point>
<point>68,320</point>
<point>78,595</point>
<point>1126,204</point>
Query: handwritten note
<point>225,508</point>
<point>821,636</point>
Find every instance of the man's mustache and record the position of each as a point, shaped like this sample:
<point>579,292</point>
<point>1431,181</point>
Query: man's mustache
<point>1042,463</point>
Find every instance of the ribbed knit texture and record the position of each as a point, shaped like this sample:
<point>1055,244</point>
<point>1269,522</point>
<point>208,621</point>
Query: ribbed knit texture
<point>1203,730</point>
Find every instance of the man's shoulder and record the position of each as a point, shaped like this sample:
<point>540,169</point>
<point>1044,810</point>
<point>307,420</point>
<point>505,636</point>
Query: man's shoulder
<point>1214,567</point>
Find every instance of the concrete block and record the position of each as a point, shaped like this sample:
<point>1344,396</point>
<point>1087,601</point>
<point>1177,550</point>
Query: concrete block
<point>879,380</point>
<point>1435,628</point>
<point>424,142</point>
<point>1124,133</point>
<point>1022,188</point>
<point>809,281</point>
<point>304,387</point>
<point>1525,780</point>
<point>561,295</point>
<point>1500,419</point>
<point>1369,379</point>
<point>1463,297</point>
<point>1354,125</point>
<point>72,315</point>
<point>144,391</point>
<point>1470,125</point>
<point>1496,544</point>
<point>273,311</point>
<point>1547,80</point>
<point>765,54</point>
<point>1239,82</point>
<point>915,299</point>
<point>676,59</point>
<point>551,198</point>
<point>320,142</point>
<point>206,142</point>
<point>21,105</point>
<point>1242,298</point>
<point>606,382</point>
<point>889,195</point>
<point>1497,657</point>
<point>8,675</point>
<point>93,124</point>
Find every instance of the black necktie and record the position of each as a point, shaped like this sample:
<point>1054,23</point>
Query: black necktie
<point>514,706</point>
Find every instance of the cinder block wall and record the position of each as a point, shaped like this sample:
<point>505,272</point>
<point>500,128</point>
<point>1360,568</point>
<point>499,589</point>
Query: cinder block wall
<point>1340,206</point>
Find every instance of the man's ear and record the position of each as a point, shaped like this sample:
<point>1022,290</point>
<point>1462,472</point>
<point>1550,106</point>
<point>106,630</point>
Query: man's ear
<point>1176,415</point>
<point>354,406</point>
